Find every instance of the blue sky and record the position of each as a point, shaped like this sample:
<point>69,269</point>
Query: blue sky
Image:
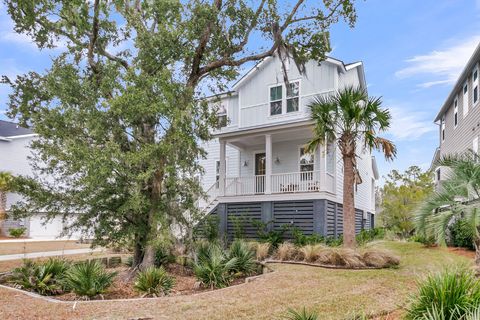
<point>413,51</point>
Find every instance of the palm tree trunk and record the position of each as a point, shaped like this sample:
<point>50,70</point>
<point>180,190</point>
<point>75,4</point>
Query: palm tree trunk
<point>477,250</point>
<point>348,202</point>
<point>3,208</point>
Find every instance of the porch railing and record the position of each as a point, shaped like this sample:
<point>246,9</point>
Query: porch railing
<point>305,181</point>
<point>245,185</point>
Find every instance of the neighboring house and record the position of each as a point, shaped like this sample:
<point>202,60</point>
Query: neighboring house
<point>14,152</point>
<point>257,167</point>
<point>459,117</point>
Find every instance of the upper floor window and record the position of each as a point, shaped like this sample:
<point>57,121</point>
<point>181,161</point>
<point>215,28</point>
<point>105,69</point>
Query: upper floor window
<point>283,104</point>
<point>455,112</point>
<point>465,99</point>
<point>475,86</point>
<point>438,174</point>
<point>276,100</point>
<point>307,162</point>
<point>292,96</point>
<point>443,128</point>
<point>222,116</point>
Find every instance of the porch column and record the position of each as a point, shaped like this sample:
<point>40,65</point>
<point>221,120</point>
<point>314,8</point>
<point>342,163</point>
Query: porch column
<point>268,164</point>
<point>222,168</point>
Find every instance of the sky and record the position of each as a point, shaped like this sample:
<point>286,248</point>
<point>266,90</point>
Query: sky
<point>413,52</point>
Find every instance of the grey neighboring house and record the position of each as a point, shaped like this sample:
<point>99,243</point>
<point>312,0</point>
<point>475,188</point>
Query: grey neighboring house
<point>459,117</point>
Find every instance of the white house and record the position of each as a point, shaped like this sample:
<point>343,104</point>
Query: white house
<point>256,166</point>
<point>14,152</point>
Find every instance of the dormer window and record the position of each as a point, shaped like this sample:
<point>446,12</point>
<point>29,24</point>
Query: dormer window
<point>465,99</point>
<point>276,100</point>
<point>222,116</point>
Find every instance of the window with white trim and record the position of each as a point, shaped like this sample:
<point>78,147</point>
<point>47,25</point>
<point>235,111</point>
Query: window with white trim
<point>276,100</point>
<point>438,174</point>
<point>330,158</point>
<point>222,116</point>
<point>443,128</point>
<point>217,173</point>
<point>307,163</point>
<point>475,145</point>
<point>465,99</point>
<point>455,112</point>
<point>475,86</point>
<point>293,92</point>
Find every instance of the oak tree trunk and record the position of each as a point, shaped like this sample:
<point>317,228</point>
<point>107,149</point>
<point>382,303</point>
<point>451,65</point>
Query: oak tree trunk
<point>348,202</point>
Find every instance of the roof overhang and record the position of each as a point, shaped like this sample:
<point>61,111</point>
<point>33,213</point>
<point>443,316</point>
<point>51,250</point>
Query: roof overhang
<point>5,139</point>
<point>459,84</point>
<point>436,157</point>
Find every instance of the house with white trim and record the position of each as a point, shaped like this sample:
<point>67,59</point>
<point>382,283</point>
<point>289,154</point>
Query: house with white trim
<point>14,153</point>
<point>257,167</point>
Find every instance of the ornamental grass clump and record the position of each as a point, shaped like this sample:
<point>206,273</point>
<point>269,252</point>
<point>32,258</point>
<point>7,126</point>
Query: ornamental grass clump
<point>380,259</point>
<point>286,251</point>
<point>453,294</point>
<point>88,279</point>
<point>310,252</point>
<point>303,314</point>
<point>263,250</point>
<point>154,282</point>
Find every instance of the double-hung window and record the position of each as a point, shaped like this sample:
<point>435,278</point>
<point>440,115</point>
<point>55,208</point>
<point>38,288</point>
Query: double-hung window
<point>292,96</point>
<point>276,100</point>
<point>455,112</point>
<point>476,86</point>
<point>222,116</point>
<point>443,128</point>
<point>307,162</point>
<point>465,99</point>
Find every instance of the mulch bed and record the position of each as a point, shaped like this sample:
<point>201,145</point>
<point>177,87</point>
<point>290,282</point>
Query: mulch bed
<point>462,252</point>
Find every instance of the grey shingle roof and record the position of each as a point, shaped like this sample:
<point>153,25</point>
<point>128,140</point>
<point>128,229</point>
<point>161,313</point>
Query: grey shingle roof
<point>10,129</point>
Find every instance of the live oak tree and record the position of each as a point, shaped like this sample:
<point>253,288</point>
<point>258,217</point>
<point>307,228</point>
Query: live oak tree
<point>352,120</point>
<point>119,113</point>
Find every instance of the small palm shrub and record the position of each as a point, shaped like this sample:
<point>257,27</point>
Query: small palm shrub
<point>213,267</point>
<point>45,279</point>
<point>263,250</point>
<point>17,232</point>
<point>88,279</point>
<point>452,294</point>
<point>286,251</point>
<point>245,257</point>
<point>304,314</point>
<point>154,282</point>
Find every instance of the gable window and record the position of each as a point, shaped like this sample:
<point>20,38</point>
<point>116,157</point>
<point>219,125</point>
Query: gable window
<point>443,129</point>
<point>476,86</point>
<point>307,162</point>
<point>455,112</point>
<point>275,100</point>
<point>465,99</point>
<point>222,116</point>
<point>438,174</point>
<point>292,96</point>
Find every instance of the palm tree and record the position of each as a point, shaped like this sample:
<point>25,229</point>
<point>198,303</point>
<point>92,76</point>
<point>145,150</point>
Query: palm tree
<point>457,198</point>
<point>6,180</point>
<point>353,119</point>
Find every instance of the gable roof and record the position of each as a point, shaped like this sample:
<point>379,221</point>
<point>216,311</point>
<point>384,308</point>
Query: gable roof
<point>461,80</point>
<point>10,130</point>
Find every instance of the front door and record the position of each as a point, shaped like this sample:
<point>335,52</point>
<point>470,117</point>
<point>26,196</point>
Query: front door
<point>259,182</point>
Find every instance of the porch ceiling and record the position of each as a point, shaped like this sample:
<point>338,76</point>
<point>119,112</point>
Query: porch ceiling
<point>258,139</point>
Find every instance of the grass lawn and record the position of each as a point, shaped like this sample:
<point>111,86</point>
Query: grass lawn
<point>39,246</point>
<point>337,294</point>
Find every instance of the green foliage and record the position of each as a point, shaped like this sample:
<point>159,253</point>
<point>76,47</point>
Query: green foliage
<point>368,235</point>
<point>154,282</point>
<point>269,234</point>
<point>7,181</point>
<point>333,242</point>
<point>214,268</point>
<point>301,315</point>
<point>119,112</point>
<point>245,257</point>
<point>88,279</point>
<point>208,228</point>
<point>300,239</point>
<point>461,234</point>
<point>428,241</point>
<point>448,295</point>
<point>400,196</point>
<point>238,226</point>
<point>45,279</point>
<point>17,232</point>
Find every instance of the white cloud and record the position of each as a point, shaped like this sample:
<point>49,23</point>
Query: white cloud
<point>443,66</point>
<point>409,125</point>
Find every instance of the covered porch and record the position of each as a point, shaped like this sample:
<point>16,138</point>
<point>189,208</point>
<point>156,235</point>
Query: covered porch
<point>274,162</point>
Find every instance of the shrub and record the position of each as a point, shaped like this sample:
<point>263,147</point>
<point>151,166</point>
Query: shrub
<point>301,315</point>
<point>334,242</point>
<point>461,234</point>
<point>245,257</point>
<point>154,282</point>
<point>213,267</point>
<point>453,294</point>
<point>428,241</point>
<point>45,279</point>
<point>300,239</point>
<point>88,279</point>
<point>17,232</point>
<point>263,250</point>
<point>274,237</point>
<point>209,228</point>
<point>369,235</point>
<point>286,251</point>
<point>163,256</point>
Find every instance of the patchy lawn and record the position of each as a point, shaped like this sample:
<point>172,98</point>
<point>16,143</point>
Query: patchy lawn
<point>337,294</point>
<point>39,246</point>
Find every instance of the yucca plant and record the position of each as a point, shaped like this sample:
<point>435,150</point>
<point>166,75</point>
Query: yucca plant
<point>452,294</point>
<point>458,198</point>
<point>88,279</point>
<point>45,279</point>
<point>213,267</point>
<point>304,314</point>
<point>154,282</point>
<point>245,256</point>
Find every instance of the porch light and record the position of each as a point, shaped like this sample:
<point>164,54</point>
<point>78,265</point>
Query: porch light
<point>277,160</point>
<point>245,163</point>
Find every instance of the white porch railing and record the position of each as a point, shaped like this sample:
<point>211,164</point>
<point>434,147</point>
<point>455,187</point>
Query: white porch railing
<point>245,185</point>
<point>306,181</point>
